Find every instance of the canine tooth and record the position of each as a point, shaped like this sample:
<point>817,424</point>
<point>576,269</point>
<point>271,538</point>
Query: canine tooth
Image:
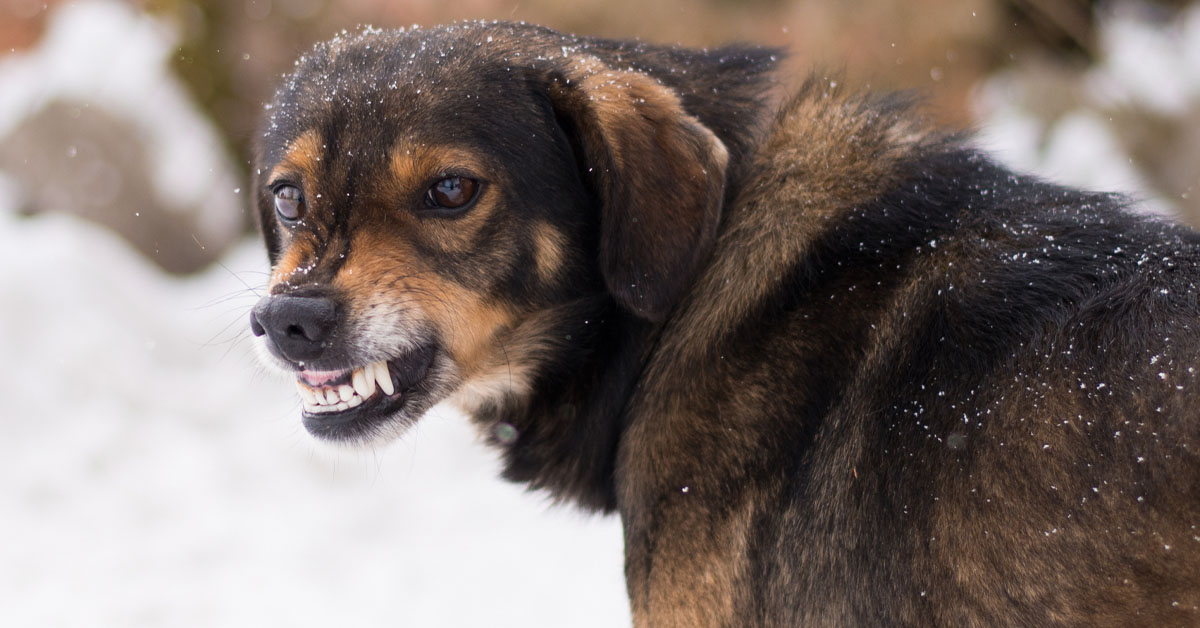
<point>384,378</point>
<point>369,373</point>
<point>364,384</point>
<point>345,392</point>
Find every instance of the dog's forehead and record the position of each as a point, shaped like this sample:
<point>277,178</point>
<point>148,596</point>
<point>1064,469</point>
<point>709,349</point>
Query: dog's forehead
<point>430,85</point>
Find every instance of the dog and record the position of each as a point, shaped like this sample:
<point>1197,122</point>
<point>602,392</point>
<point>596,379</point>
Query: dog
<point>831,365</point>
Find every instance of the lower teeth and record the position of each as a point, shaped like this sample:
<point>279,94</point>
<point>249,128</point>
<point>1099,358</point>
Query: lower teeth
<point>340,406</point>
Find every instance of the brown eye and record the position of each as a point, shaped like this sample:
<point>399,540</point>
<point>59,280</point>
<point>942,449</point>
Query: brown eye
<point>289,202</point>
<point>451,193</point>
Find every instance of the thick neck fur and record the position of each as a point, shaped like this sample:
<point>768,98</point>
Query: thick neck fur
<point>828,159</point>
<point>578,413</point>
<point>570,422</point>
<point>824,155</point>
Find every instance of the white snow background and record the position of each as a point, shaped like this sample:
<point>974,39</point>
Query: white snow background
<point>152,475</point>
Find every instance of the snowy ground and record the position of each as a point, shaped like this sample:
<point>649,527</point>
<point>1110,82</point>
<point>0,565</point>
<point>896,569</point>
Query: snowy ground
<point>151,475</point>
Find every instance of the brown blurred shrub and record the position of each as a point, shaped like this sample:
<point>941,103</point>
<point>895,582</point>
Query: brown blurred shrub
<point>235,50</point>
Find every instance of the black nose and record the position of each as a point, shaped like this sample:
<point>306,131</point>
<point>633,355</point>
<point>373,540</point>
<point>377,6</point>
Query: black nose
<point>298,327</point>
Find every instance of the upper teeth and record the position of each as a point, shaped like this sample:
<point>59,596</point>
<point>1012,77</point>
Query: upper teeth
<point>345,396</point>
<point>363,384</point>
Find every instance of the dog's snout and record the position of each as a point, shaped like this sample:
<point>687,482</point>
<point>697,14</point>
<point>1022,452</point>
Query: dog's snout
<point>298,327</point>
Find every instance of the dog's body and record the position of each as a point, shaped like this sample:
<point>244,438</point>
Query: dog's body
<point>830,367</point>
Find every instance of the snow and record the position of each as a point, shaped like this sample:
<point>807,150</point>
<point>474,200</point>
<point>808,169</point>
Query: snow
<point>152,474</point>
<point>107,55</point>
<point>1146,64</point>
<point>155,476</point>
<point>1077,149</point>
<point>1082,151</point>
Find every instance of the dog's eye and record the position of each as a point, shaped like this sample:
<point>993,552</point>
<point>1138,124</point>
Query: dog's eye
<point>289,202</point>
<point>451,193</point>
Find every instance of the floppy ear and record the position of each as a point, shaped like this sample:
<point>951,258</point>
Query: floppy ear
<point>660,177</point>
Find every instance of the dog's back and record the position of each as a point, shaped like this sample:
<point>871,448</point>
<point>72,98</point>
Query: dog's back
<point>937,393</point>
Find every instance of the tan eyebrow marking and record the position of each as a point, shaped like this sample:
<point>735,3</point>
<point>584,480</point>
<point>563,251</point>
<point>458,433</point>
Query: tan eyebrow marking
<point>304,154</point>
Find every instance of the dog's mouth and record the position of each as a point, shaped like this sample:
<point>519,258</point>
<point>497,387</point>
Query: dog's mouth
<point>340,403</point>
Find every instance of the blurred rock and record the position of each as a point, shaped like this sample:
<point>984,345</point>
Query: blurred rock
<point>82,160</point>
<point>93,123</point>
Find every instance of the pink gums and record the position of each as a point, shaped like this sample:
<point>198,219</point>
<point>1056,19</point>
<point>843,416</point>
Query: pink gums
<point>316,378</point>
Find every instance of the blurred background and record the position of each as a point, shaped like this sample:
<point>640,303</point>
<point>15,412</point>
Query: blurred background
<point>152,475</point>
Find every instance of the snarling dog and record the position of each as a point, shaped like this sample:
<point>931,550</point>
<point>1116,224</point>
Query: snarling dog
<point>832,367</point>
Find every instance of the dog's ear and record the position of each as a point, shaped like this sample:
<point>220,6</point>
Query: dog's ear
<point>659,175</point>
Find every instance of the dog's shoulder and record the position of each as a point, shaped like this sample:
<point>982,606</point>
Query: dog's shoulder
<point>867,243</point>
<point>843,181</point>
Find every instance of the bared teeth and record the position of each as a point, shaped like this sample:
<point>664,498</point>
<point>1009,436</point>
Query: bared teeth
<point>383,377</point>
<point>363,383</point>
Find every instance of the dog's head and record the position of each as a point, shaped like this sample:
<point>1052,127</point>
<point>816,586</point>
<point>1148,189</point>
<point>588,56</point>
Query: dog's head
<point>431,199</point>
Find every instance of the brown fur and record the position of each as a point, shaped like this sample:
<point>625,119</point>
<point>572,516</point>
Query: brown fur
<point>830,366</point>
<point>658,222</point>
<point>303,154</point>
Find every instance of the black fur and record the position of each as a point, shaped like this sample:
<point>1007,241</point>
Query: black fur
<point>900,385</point>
